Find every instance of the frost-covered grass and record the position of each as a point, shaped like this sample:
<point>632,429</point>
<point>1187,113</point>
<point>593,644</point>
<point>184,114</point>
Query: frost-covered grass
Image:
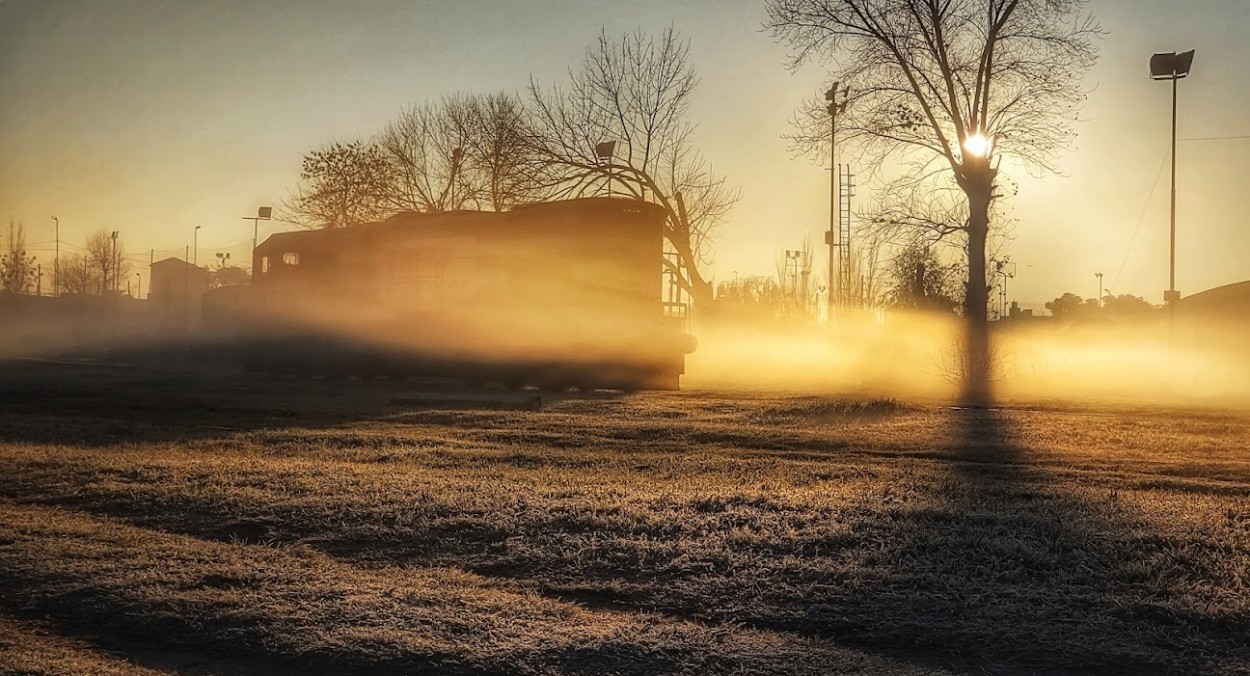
<point>289,527</point>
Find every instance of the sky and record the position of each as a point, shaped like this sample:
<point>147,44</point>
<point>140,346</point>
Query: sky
<point>151,117</point>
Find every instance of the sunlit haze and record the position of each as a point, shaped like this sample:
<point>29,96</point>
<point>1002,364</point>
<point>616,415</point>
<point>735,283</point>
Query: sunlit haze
<point>153,117</point>
<point>977,145</point>
<point>400,337</point>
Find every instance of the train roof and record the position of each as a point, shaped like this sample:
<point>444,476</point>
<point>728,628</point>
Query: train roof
<point>451,221</point>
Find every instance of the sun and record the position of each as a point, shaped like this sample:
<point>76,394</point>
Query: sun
<point>977,145</point>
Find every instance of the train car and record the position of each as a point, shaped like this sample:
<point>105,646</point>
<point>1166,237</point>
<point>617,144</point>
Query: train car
<point>556,294</point>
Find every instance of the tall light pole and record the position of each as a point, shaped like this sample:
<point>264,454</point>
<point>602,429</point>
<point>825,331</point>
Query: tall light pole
<point>262,214</point>
<point>1099,276</point>
<point>1007,270</point>
<point>195,246</point>
<point>835,210</point>
<point>604,152</point>
<point>56,269</point>
<point>1174,67</point>
<point>795,258</point>
<point>138,285</point>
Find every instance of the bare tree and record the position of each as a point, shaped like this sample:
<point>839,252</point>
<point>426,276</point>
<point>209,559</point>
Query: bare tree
<point>460,152</point>
<point>228,275</point>
<point>79,276</point>
<point>794,277</point>
<point>949,86</point>
<point>18,269</point>
<point>635,92</point>
<point>920,280</point>
<point>425,148</point>
<point>341,185</point>
<point>106,256</point>
<point>500,152</point>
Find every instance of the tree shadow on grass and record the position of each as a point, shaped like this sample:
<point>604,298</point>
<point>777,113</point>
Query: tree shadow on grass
<point>981,559</point>
<point>1008,569</point>
<point>992,563</point>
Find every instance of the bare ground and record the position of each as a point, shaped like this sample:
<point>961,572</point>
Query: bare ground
<point>157,522</point>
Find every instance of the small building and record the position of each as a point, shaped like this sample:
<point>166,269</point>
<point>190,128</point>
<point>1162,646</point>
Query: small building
<point>174,297</point>
<point>1228,304</point>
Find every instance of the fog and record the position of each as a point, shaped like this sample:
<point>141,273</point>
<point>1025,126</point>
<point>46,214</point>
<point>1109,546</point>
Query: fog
<point>566,332</point>
<point>1034,359</point>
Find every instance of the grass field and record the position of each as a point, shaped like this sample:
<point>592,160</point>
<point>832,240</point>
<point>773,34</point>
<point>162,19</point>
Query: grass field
<point>162,523</point>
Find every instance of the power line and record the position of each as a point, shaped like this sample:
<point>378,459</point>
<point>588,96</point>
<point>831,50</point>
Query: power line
<point>1219,138</point>
<point>1142,218</point>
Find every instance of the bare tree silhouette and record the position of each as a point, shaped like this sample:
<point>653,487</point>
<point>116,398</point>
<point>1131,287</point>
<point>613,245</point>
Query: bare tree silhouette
<point>18,269</point>
<point>460,152</point>
<point>78,276</point>
<point>635,92</point>
<point>948,86</point>
<point>342,184</point>
<point>106,257</point>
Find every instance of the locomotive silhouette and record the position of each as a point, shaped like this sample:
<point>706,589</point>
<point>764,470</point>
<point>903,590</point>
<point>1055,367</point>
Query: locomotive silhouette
<point>555,294</point>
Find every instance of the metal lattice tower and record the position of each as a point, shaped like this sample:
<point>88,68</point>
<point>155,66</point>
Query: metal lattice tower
<point>846,190</point>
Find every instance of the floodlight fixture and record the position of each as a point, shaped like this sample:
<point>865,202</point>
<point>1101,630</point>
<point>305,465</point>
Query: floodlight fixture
<point>605,150</point>
<point>1170,65</point>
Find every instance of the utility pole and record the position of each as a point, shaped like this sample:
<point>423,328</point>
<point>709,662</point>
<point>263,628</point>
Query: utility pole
<point>1099,276</point>
<point>56,264</point>
<point>116,263</point>
<point>835,202</point>
<point>262,214</point>
<point>186,291</point>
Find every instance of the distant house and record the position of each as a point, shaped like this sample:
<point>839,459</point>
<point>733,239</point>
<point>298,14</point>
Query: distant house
<point>175,295</point>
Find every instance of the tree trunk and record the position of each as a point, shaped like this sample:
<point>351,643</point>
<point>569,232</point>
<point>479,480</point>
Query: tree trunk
<point>977,357</point>
<point>701,293</point>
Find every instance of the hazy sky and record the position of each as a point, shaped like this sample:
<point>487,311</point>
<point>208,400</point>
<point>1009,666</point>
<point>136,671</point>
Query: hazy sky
<point>154,116</point>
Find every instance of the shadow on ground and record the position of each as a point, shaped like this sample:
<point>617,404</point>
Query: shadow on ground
<point>974,557</point>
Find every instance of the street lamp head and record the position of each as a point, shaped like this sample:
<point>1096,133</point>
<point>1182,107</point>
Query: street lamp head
<point>1170,65</point>
<point>605,150</point>
<point>264,213</point>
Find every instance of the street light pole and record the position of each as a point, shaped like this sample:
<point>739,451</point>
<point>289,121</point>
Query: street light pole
<point>1172,228</point>
<point>1174,67</point>
<point>195,246</point>
<point>604,152</point>
<point>1099,276</point>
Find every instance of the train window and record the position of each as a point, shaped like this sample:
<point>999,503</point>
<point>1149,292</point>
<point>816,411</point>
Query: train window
<point>290,258</point>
